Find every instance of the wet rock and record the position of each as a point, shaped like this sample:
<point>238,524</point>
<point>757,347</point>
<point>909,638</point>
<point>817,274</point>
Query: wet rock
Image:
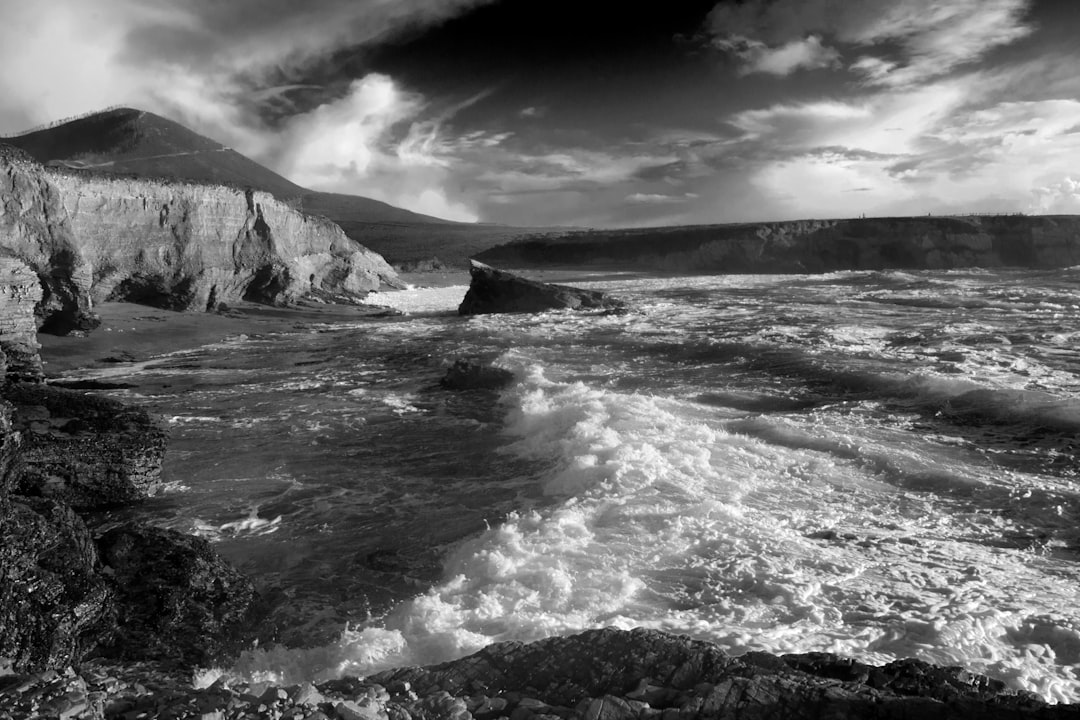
<point>474,374</point>
<point>88,451</point>
<point>497,291</point>
<point>177,599</point>
<point>594,673</point>
<point>54,605</point>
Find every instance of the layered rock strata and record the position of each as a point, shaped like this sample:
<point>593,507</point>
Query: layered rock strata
<point>812,246</point>
<point>20,293</point>
<point>87,451</point>
<point>182,246</point>
<point>497,291</point>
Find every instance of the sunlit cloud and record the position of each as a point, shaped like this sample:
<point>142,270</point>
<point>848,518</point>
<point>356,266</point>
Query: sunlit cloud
<point>1059,198</point>
<point>932,37</point>
<point>952,145</point>
<point>757,57</point>
<point>660,198</point>
<point>370,138</point>
<point>352,145</point>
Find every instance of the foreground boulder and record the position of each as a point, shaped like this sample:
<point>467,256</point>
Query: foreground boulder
<point>178,601</point>
<point>90,452</point>
<point>497,291</point>
<point>54,604</point>
<point>598,675</point>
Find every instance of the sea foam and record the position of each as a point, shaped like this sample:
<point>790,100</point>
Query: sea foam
<point>660,517</point>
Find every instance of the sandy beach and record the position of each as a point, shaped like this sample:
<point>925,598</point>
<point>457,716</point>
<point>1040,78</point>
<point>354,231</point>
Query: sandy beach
<point>131,333</point>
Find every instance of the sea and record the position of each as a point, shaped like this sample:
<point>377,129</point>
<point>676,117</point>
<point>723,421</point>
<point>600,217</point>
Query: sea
<point>882,465</point>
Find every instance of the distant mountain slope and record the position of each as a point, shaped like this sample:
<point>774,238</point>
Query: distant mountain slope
<point>126,141</point>
<point>134,142</point>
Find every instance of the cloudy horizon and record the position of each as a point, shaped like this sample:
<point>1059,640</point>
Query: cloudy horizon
<point>536,112</point>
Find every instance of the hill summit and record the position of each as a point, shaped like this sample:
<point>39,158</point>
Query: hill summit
<point>127,141</point>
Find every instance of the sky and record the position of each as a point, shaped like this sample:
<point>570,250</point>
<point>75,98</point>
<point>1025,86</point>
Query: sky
<point>596,113</point>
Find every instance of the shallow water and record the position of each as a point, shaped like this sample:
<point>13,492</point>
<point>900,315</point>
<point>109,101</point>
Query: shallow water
<point>877,464</point>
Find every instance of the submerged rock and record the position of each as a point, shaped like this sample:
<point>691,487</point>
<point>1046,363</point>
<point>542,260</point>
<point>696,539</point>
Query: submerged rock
<point>177,599</point>
<point>473,374</point>
<point>497,291</point>
<point>88,451</point>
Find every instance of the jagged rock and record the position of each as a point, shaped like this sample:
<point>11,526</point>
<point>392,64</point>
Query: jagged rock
<point>593,673</point>
<point>497,291</point>
<point>177,599</point>
<point>182,246</point>
<point>88,451</point>
<point>473,374</point>
<point>54,606</point>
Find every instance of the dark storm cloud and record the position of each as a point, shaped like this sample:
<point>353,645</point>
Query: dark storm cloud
<point>551,111</point>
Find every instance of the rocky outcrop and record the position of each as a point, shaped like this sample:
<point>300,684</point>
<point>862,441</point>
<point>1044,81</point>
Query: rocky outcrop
<point>619,675</point>
<point>598,675</point>
<point>161,595</point>
<point>182,246</point>
<point>177,600</point>
<point>497,291</point>
<point>87,451</point>
<point>34,229</point>
<point>54,604</point>
<point>20,293</point>
<point>811,246</point>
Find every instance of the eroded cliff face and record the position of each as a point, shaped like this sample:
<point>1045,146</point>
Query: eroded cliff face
<point>34,228</point>
<point>811,246</point>
<point>20,293</point>
<point>181,246</point>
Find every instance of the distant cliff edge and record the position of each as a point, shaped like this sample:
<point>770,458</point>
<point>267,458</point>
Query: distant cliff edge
<point>810,246</point>
<point>176,245</point>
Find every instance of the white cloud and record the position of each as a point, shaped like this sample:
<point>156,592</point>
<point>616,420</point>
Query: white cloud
<point>1060,198</point>
<point>934,36</point>
<point>350,145</point>
<point>757,57</point>
<point>207,64</point>
<point>951,145</point>
<point>660,198</point>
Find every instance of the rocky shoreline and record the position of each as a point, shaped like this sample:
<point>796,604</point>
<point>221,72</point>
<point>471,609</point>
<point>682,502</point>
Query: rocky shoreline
<point>105,621</point>
<point>604,674</point>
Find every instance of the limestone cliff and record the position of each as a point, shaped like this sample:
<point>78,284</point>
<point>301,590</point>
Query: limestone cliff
<point>813,245</point>
<point>20,293</point>
<point>183,246</point>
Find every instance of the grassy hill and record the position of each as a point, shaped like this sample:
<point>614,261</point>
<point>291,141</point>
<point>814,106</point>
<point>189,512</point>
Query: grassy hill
<point>126,141</point>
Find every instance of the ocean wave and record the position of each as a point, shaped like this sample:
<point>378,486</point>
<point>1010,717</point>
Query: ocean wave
<point>663,519</point>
